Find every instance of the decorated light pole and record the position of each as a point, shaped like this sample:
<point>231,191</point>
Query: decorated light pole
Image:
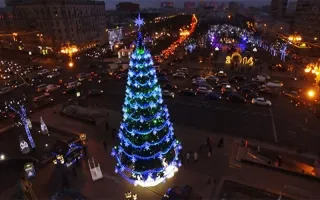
<point>19,109</point>
<point>70,50</point>
<point>314,68</point>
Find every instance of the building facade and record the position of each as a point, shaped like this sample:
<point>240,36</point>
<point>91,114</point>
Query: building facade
<point>307,19</point>
<point>128,7</point>
<point>58,22</point>
<point>278,8</point>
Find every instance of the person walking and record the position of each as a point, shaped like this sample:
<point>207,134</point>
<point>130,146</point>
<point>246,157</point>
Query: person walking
<point>107,126</point>
<point>104,145</point>
<point>188,156</point>
<point>195,156</point>
<point>210,152</point>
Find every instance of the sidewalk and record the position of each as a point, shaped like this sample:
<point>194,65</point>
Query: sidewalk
<point>196,174</point>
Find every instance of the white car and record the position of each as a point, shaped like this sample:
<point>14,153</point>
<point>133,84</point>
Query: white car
<point>43,72</point>
<point>167,93</point>
<point>51,88</point>
<point>261,101</point>
<point>263,76</point>
<point>212,78</point>
<point>53,75</point>
<point>5,90</point>
<point>72,84</point>
<point>179,75</point>
<point>260,79</point>
<point>203,90</point>
<point>276,84</point>
<point>183,70</point>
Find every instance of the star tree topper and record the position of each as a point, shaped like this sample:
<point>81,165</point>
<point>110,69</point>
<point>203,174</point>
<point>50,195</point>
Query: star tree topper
<point>139,22</point>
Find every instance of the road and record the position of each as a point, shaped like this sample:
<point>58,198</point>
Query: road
<point>283,123</point>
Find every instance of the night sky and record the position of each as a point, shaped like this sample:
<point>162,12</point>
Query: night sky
<point>110,4</point>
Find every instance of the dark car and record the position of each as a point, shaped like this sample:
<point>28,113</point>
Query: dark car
<point>167,71</point>
<point>213,96</point>
<point>102,79</point>
<point>252,95</point>
<point>187,92</point>
<point>236,98</point>
<point>122,76</point>
<point>163,78</point>
<point>169,86</point>
<point>69,91</point>
<point>232,81</point>
<point>246,91</point>
<point>95,92</point>
<point>239,78</point>
<point>171,63</point>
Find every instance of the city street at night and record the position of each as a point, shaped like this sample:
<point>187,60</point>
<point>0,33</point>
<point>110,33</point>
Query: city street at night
<point>206,102</point>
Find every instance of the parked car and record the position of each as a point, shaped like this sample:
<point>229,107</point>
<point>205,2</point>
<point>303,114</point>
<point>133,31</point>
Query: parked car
<point>95,92</point>
<point>167,93</point>
<point>213,96</point>
<point>169,86</point>
<point>41,87</point>
<point>72,84</point>
<point>236,98</point>
<point>5,90</point>
<point>163,78</point>
<point>203,90</point>
<point>179,75</point>
<point>261,101</point>
<point>239,78</point>
<point>53,75</point>
<point>276,84</point>
<point>221,74</point>
<point>187,92</point>
<point>69,91</point>
<point>57,69</point>
<point>51,88</point>
<point>212,78</point>
<point>43,72</point>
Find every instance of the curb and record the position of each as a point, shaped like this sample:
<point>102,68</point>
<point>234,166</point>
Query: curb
<point>306,176</point>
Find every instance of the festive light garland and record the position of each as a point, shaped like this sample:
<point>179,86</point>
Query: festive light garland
<point>23,117</point>
<point>148,151</point>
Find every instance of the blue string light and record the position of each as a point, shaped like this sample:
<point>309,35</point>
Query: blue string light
<point>23,117</point>
<point>144,114</point>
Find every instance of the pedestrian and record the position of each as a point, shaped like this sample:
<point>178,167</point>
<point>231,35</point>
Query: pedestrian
<point>104,145</point>
<point>195,156</point>
<point>258,148</point>
<point>107,126</point>
<point>113,134</point>
<point>84,150</point>
<point>210,152</point>
<point>208,142</point>
<point>221,143</point>
<point>188,156</point>
<point>74,170</point>
<point>209,180</point>
<point>78,161</point>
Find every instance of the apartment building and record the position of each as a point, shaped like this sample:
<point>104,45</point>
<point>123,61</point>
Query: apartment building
<point>307,18</point>
<point>58,22</point>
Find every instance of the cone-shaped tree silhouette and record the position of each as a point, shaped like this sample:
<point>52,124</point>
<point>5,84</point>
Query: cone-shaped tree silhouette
<point>148,151</point>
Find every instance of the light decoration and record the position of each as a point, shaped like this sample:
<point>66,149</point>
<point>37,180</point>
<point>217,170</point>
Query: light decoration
<point>19,109</point>
<point>24,147</point>
<point>241,60</point>
<point>170,50</point>
<point>43,127</point>
<point>283,52</point>
<point>146,133</point>
<point>69,50</point>
<point>314,68</point>
<point>74,152</point>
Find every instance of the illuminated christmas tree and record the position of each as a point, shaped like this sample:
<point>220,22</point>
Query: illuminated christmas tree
<point>148,151</point>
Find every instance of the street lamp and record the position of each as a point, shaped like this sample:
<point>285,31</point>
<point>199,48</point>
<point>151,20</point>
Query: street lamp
<point>70,50</point>
<point>311,94</point>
